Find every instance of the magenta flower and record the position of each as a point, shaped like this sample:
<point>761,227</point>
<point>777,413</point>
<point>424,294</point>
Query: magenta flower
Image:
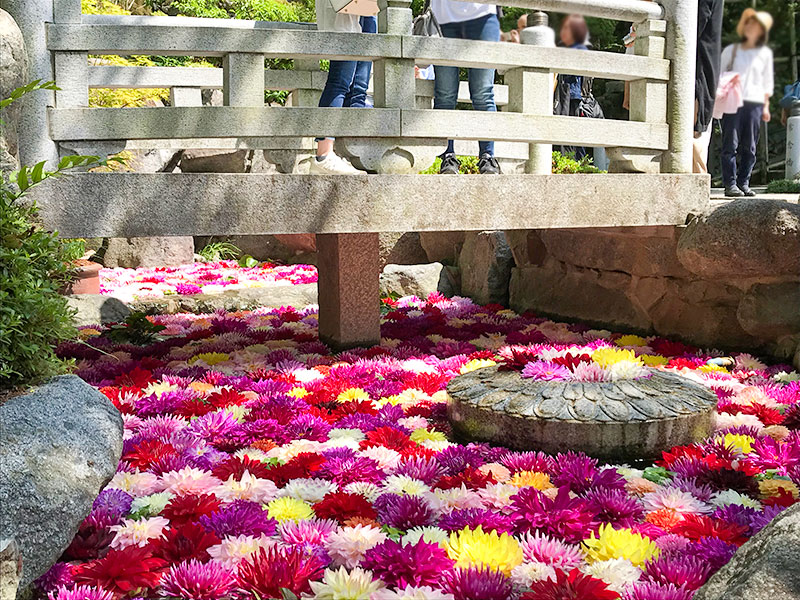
<point>570,519</point>
<point>546,371</point>
<point>193,580</point>
<point>471,584</point>
<point>411,564</point>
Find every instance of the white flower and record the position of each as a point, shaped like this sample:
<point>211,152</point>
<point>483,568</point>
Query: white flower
<point>726,421</point>
<point>340,584</point>
<point>626,369</point>
<point>348,545</point>
<point>403,484</point>
<point>430,535</point>
<point>727,497</point>
<point>412,592</point>
<point>152,504</point>
<point>309,490</point>
<point>233,549</point>
<point>340,433</point>
<point>137,533</point>
<point>385,457</point>
<point>370,491</point>
<point>618,573</point>
<point>247,488</point>
<point>522,576</point>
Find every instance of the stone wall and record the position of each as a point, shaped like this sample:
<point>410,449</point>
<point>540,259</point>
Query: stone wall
<point>728,279</point>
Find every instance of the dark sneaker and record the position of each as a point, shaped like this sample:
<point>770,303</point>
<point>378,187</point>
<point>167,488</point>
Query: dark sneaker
<point>747,191</point>
<point>488,165</point>
<point>733,192</point>
<point>450,165</point>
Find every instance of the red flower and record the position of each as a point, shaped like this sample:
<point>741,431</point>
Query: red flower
<point>122,571</point>
<point>264,575</point>
<point>784,498</point>
<point>137,378</point>
<point>237,466</point>
<point>695,527</point>
<point>388,437</point>
<point>225,397</point>
<point>188,508</point>
<point>190,541</point>
<point>471,477</point>
<point>148,452</point>
<point>341,506</point>
<point>575,586</point>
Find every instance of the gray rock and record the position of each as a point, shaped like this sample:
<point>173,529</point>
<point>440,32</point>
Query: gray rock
<point>442,246</point>
<point>485,262</point>
<point>59,446</point>
<point>94,309</point>
<point>770,311</point>
<point>154,161</point>
<point>400,249</point>
<point>765,568</point>
<point>148,252</point>
<point>619,420</point>
<point>13,73</point>
<point>745,238</point>
<point>201,160</point>
<point>412,280</point>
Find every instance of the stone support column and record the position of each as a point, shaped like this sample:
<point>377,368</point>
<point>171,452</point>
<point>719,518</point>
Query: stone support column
<point>348,289</point>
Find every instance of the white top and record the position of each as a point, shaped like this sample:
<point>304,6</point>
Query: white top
<point>755,67</point>
<point>455,11</point>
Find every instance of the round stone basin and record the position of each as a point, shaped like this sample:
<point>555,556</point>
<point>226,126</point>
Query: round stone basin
<point>619,420</point>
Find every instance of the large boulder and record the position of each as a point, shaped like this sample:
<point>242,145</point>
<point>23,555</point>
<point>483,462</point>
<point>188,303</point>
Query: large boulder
<point>13,73</point>
<point>765,568</point>
<point>485,262</point>
<point>442,246</point>
<point>771,310</point>
<point>745,238</point>
<point>400,249</point>
<point>94,309</point>
<point>412,280</point>
<point>148,252</point>
<point>207,160</point>
<point>59,446</point>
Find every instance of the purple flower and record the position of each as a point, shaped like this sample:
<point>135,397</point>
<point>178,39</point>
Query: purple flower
<point>615,506</point>
<point>428,471</point>
<point>404,512</point>
<point>410,564</point>
<point>241,517</point>
<point>654,591</point>
<point>489,520</point>
<point>546,371</point>
<point>687,571</point>
<point>187,289</point>
<point>194,580</point>
<point>469,584</point>
<point>575,470</point>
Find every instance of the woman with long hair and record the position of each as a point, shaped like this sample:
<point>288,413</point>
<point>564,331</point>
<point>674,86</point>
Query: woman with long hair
<point>751,58</point>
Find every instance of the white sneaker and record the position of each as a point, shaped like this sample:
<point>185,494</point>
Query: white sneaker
<point>333,164</point>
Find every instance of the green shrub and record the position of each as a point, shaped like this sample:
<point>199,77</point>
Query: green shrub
<point>566,164</point>
<point>35,265</point>
<point>469,166</point>
<point>217,251</point>
<point>783,186</point>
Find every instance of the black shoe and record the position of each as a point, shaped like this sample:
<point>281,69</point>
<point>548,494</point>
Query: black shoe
<point>747,191</point>
<point>450,165</point>
<point>733,192</point>
<point>488,165</point>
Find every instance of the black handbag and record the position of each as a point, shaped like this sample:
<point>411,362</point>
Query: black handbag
<point>589,107</point>
<point>426,24</point>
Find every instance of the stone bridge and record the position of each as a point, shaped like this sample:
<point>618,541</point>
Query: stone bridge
<point>649,184</point>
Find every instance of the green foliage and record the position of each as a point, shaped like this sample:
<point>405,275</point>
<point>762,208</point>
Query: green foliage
<point>33,86</point>
<point>783,186</point>
<point>219,251</point>
<point>469,166</point>
<point>247,261</point>
<point>568,165</point>
<point>259,10</point>
<point>137,329</point>
<point>35,265</point>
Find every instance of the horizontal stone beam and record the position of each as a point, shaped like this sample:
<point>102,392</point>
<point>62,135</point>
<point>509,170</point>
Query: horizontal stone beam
<point>144,205</point>
<point>180,21</point>
<point>284,43</point>
<point>618,10</point>
<point>226,122</point>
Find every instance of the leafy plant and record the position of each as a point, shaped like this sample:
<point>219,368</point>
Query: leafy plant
<point>136,329</point>
<point>217,251</point>
<point>567,164</point>
<point>469,166</point>
<point>783,186</point>
<point>35,265</point>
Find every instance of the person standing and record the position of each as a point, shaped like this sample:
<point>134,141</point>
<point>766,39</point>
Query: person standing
<point>466,21</point>
<point>346,84</point>
<point>574,33</point>
<point>751,58</point>
<point>709,48</point>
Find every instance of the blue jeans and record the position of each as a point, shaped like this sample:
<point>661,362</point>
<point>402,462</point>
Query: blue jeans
<point>481,81</point>
<point>348,79</point>
<point>740,137</point>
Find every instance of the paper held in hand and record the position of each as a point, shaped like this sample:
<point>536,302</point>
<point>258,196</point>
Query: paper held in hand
<point>364,8</point>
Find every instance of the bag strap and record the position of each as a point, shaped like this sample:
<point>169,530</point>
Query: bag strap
<point>733,55</point>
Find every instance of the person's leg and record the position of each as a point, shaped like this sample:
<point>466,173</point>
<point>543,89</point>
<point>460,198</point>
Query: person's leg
<point>357,95</point>
<point>481,81</point>
<point>709,48</point>
<point>340,78</point>
<point>750,127</point>
<point>730,143</point>
<point>445,83</point>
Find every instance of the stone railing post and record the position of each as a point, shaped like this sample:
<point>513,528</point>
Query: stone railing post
<point>648,103</point>
<point>185,96</point>
<point>31,16</point>
<point>681,50</point>
<point>530,91</point>
<point>243,79</point>
<point>793,143</point>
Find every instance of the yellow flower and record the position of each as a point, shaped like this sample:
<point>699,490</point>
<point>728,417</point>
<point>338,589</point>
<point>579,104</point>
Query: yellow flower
<point>476,364</point>
<point>289,509</point>
<point>535,479</point>
<point>298,392</point>
<point>606,357</point>
<point>619,543</point>
<point>201,386</point>
<point>424,434</point>
<point>473,547</point>
<point>631,340</point>
<point>210,358</point>
<point>770,488</point>
<point>712,368</point>
<point>739,442</point>
<point>352,394</point>
<point>85,334</point>
<point>654,360</point>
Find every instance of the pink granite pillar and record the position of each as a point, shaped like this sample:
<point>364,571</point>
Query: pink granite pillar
<point>348,289</point>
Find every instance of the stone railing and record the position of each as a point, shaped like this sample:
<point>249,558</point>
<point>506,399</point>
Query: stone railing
<point>400,134</point>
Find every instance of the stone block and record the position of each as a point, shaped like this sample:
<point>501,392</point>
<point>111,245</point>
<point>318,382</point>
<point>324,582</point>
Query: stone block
<point>148,252</point>
<point>744,238</point>
<point>201,160</point>
<point>527,247</point>
<point>608,250</point>
<point>771,311</point>
<point>485,262</point>
<point>401,249</point>
<point>298,296</point>
<point>562,291</point>
<point>442,246</point>
<point>349,290</point>
<point>412,280</point>
<point>94,309</point>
